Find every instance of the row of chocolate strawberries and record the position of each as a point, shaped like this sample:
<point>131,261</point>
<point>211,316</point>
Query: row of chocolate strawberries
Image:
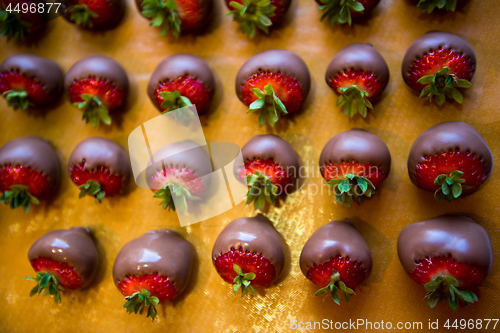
<point>249,253</point>
<point>21,18</point>
<point>451,159</point>
<point>273,82</point>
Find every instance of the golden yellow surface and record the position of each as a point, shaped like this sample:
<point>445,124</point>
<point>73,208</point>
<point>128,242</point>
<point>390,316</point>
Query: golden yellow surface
<point>208,305</point>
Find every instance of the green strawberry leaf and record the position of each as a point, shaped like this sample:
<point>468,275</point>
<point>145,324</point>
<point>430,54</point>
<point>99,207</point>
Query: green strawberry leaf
<point>429,5</point>
<point>11,25</point>
<point>163,14</point>
<point>174,101</point>
<point>94,111</point>
<point>354,100</point>
<point>253,15</point>
<point>19,196</point>
<point>165,193</point>
<point>442,288</point>
<point>335,285</point>
<point>340,10</point>
<point>442,85</point>
<point>17,99</point>
<point>269,105</point>
<point>450,186</point>
<point>46,283</point>
<point>138,301</point>
<point>92,188</point>
<point>351,188</point>
<point>260,190</point>
<point>81,15</point>
<point>243,281</point>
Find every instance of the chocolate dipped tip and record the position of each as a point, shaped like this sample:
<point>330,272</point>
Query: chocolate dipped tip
<point>98,152</point>
<point>457,236</point>
<point>337,238</point>
<point>357,145</point>
<point>74,247</point>
<point>42,70</point>
<point>358,56</point>
<point>158,251</point>
<point>35,153</point>
<point>445,137</point>
<point>275,61</point>
<point>99,67</point>
<point>431,41</point>
<point>179,65</point>
<point>253,234</point>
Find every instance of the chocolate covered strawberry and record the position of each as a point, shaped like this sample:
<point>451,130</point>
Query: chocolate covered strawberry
<point>95,14</point>
<point>249,253</point>
<point>63,259</point>
<point>182,80</point>
<point>359,74</point>
<point>446,254</point>
<point>429,5</point>
<point>342,11</point>
<point>99,167</point>
<point>176,16</point>
<point>176,174</point>
<point>28,80</point>
<point>153,268</point>
<point>29,172</point>
<point>98,86</point>
<point>17,23</point>
<point>271,168</point>
<point>257,14</point>
<point>355,163</point>
<point>438,63</point>
<point>451,159</point>
<point>336,257</point>
<point>274,82</point>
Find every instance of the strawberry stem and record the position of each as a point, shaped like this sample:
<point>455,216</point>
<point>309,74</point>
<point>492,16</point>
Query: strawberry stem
<point>451,186</point>
<point>445,287</point>
<point>429,5</point>
<point>253,15</point>
<point>332,288</point>
<point>82,16</point>
<point>269,104</point>
<point>243,281</point>
<point>138,301</point>
<point>94,111</point>
<point>165,193</point>
<point>260,190</point>
<point>93,188</point>
<point>19,196</point>
<point>340,10</point>
<point>348,186</point>
<point>12,26</point>
<point>17,99</point>
<point>47,283</point>
<point>443,84</point>
<point>162,14</point>
<point>354,100</point>
<point>174,101</point>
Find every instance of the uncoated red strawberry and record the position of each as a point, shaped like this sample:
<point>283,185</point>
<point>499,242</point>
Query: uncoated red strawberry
<point>18,23</point>
<point>95,14</point>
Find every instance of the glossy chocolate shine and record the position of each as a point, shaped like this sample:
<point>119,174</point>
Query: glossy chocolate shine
<point>358,56</point>
<point>357,145</point>
<point>457,236</point>
<point>43,70</point>
<point>275,61</point>
<point>74,247</point>
<point>33,152</point>
<point>336,238</point>
<point>98,152</point>
<point>159,251</point>
<point>445,137</point>
<point>432,41</point>
<point>253,234</point>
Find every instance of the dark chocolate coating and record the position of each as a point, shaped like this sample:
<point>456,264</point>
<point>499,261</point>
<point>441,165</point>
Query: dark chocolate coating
<point>74,247</point>
<point>268,146</point>
<point>43,70</point>
<point>358,56</point>
<point>275,61</point>
<point>457,236</point>
<point>357,145</point>
<point>447,136</point>
<point>33,152</point>
<point>118,7</point>
<point>254,234</point>
<point>178,65</point>
<point>98,152</point>
<point>335,238</point>
<point>432,41</point>
<point>100,67</point>
<point>159,251</point>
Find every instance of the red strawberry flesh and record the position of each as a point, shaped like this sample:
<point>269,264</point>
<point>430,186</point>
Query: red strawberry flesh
<point>188,87</point>
<point>286,88</point>
<point>158,285</point>
<point>37,184</point>
<point>434,61</point>
<point>108,93</point>
<point>428,268</point>
<point>189,12</point>
<point>180,176</point>
<point>64,273</point>
<point>269,168</point>
<point>351,272</point>
<point>20,82</point>
<point>371,172</point>
<point>363,80</point>
<point>111,184</point>
<point>265,272</point>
